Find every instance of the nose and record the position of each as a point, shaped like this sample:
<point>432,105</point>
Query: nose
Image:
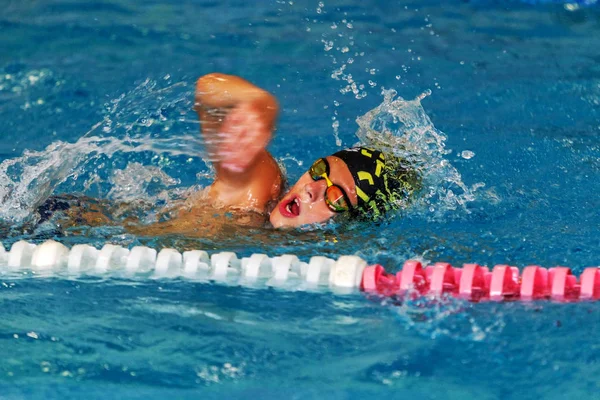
<point>315,190</point>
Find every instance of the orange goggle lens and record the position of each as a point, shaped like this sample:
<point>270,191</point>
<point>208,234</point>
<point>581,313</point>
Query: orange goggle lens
<point>336,200</point>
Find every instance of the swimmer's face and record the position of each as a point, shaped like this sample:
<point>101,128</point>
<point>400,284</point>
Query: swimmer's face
<point>305,202</point>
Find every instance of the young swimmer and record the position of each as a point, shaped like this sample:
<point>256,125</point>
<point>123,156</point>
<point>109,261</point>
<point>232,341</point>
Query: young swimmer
<point>237,122</point>
<point>357,182</point>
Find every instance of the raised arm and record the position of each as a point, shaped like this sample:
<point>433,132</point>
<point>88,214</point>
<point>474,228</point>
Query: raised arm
<point>237,121</point>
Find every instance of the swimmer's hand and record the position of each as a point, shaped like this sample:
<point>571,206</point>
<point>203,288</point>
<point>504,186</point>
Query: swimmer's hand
<point>236,141</point>
<point>246,131</point>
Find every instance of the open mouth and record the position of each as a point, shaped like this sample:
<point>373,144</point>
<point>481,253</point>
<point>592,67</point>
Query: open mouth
<point>290,208</point>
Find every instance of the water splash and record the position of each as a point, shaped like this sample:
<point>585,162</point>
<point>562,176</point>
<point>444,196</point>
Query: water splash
<point>153,110</point>
<point>402,127</point>
<point>436,317</point>
<point>137,178</point>
<point>143,139</point>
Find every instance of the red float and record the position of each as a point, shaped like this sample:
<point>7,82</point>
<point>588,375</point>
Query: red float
<point>441,279</point>
<point>534,283</point>
<point>476,283</point>
<point>563,284</point>
<point>504,284</point>
<point>411,277</point>
<point>590,284</point>
<point>472,285</point>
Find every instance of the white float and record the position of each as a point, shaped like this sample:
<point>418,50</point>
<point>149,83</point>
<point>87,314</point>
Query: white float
<point>255,267</point>
<point>347,272</point>
<point>141,259</point>
<point>196,264</point>
<point>3,255</point>
<point>318,270</point>
<point>285,267</point>
<point>49,255</point>
<point>82,258</point>
<point>20,254</point>
<point>168,263</point>
<point>110,257</point>
<point>223,264</point>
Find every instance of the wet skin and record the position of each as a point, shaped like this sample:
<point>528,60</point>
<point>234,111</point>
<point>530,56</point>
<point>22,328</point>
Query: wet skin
<point>305,202</point>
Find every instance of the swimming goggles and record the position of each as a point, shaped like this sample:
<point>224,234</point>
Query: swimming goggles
<point>337,200</point>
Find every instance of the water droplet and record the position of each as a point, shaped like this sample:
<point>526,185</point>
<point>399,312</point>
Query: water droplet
<point>327,44</point>
<point>467,154</point>
<point>571,6</point>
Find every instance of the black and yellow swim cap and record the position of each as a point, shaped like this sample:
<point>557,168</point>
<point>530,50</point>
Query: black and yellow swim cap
<point>383,182</point>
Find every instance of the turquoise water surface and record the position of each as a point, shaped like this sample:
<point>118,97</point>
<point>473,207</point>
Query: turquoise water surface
<point>502,106</point>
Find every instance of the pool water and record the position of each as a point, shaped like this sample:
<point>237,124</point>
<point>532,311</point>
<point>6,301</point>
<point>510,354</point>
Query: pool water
<point>502,104</point>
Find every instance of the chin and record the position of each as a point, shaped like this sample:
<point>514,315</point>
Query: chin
<point>279,222</point>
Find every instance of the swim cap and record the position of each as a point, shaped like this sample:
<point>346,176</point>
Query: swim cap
<point>382,183</point>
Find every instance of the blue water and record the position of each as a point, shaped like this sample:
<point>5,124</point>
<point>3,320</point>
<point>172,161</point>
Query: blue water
<point>95,98</point>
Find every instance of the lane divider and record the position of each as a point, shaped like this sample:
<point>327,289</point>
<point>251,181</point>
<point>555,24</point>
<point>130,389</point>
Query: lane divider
<point>285,271</point>
<point>472,282</point>
<point>476,283</point>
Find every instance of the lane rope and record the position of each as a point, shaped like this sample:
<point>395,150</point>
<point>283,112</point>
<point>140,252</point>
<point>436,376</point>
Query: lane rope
<point>347,274</point>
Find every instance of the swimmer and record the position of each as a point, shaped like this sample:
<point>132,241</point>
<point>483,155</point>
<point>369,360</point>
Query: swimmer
<point>237,122</point>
